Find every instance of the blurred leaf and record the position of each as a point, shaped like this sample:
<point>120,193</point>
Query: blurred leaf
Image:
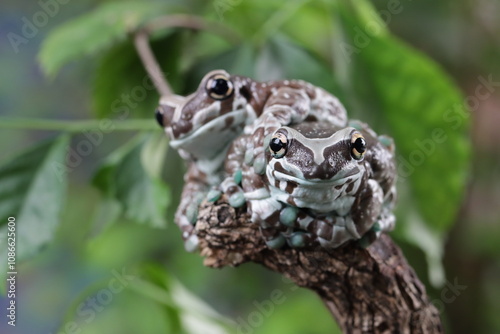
<point>282,59</point>
<point>143,197</point>
<point>415,98</point>
<point>95,31</point>
<point>126,313</point>
<point>308,28</point>
<point>154,153</point>
<point>238,60</point>
<point>194,315</point>
<point>277,60</point>
<point>103,178</point>
<point>107,212</point>
<point>123,89</point>
<point>32,188</point>
<point>411,228</point>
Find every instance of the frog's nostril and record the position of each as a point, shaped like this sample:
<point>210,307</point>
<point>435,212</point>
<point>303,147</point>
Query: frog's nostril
<point>159,117</point>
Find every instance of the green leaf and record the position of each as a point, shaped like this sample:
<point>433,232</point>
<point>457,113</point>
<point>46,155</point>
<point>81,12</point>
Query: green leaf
<point>103,178</point>
<point>32,188</point>
<point>107,213</point>
<point>281,59</point>
<point>144,198</point>
<point>412,229</point>
<point>194,315</point>
<point>238,60</point>
<point>154,153</point>
<point>123,89</point>
<point>141,193</point>
<point>278,59</point>
<point>415,100</point>
<point>95,31</point>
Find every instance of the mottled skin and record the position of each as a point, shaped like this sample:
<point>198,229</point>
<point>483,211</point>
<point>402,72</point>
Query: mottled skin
<point>202,125</point>
<point>318,188</point>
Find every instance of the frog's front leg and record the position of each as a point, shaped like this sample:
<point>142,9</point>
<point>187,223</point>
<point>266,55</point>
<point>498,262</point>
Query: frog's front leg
<point>332,231</point>
<point>194,191</point>
<point>266,212</point>
<point>370,214</point>
<point>234,168</point>
<point>285,106</point>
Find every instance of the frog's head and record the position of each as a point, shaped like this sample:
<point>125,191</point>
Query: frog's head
<point>205,122</point>
<point>311,166</point>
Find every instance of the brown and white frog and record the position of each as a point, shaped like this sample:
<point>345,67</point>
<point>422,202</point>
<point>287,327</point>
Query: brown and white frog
<point>203,125</point>
<point>324,184</point>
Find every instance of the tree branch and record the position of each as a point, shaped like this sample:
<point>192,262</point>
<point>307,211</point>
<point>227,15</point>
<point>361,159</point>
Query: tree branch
<point>371,290</point>
<point>141,42</point>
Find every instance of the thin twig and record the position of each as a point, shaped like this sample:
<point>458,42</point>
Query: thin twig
<point>141,42</point>
<point>78,125</point>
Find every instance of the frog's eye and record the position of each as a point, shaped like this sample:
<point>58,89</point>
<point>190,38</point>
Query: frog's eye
<point>159,117</point>
<point>219,87</point>
<point>358,146</point>
<point>278,145</point>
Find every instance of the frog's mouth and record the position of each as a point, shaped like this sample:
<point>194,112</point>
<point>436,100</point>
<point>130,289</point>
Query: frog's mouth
<point>318,195</point>
<point>211,138</point>
<point>339,179</point>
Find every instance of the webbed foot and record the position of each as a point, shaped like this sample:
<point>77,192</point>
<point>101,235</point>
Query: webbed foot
<point>231,186</point>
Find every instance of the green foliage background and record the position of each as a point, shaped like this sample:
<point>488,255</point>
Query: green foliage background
<point>83,217</point>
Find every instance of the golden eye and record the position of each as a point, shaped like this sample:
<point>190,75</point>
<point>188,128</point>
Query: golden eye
<point>278,145</point>
<point>219,87</point>
<point>358,146</point>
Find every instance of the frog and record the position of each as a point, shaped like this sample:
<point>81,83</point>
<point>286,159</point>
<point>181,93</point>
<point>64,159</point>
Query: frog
<point>202,126</point>
<point>324,185</point>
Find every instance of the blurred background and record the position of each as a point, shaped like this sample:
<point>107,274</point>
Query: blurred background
<point>125,277</point>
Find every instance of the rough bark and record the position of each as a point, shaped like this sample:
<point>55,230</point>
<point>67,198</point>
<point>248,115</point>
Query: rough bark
<point>371,290</point>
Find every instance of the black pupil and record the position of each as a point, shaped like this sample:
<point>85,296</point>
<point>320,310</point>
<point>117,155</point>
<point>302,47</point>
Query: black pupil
<point>159,117</point>
<point>219,87</point>
<point>360,145</point>
<point>275,145</point>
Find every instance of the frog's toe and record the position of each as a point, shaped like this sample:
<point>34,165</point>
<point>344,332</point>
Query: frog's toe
<point>299,239</point>
<point>288,216</point>
<point>259,164</point>
<point>277,242</point>
<point>214,195</point>
<point>237,200</point>
<point>386,141</point>
<point>358,125</point>
<point>368,238</point>
<point>376,228</point>
<point>191,244</point>
<point>192,213</point>
<point>238,176</point>
<point>248,160</point>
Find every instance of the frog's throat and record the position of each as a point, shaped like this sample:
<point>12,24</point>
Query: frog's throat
<point>338,179</point>
<point>321,196</point>
<point>211,138</point>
